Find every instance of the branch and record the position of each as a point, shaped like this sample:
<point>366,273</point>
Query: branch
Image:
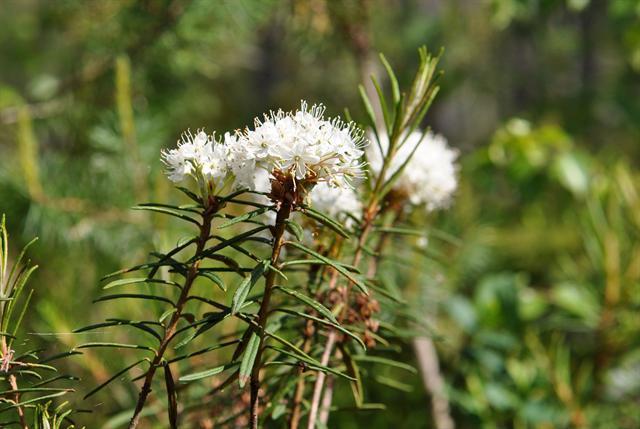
<point>205,231</point>
<point>432,379</point>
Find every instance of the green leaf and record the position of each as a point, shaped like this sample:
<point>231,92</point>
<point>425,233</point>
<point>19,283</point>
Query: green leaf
<point>317,262</point>
<point>324,322</point>
<point>325,220</point>
<point>56,378</point>
<point>4,247</point>
<point>191,208</point>
<point>312,363</point>
<point>310,302</point>
<point>225,243</point>
<point>20,282</point>
<point>395,88</point>
<point>122,282</point>
<point>335,265</point>
<point>134,296</point>
<point>115,345</point>
<point>393,383</point>
<point>42,398</point>
<point>212,320</point>
<point>33,390</point>
<point>167,211</point>
<point>163,258</point>
<point>115,376</point>
<point>384,292</point>
<point>368,108</point>
<point>18,322</point>
<point>243,217</point>
<point>388,185</point>
<point>385,361</point>
<point>190,194</point>
<point>278,338</point>
<point>207,373</point>
<point>144,266</point>
<point>202,351</point>
<point>226,260</point>
<point>295,229</point>
<point>383,104</point>
<point>120,322</point>
<point>18,261</point>
<point>243,289</point>
<point>400,231</point>
<point>214,278</point>
<point>278,272</point>
<point>354,371</point>
<point>166,314</point>
<point>248,359</point>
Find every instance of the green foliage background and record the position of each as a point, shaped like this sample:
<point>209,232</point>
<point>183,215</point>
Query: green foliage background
<point>534,304</point>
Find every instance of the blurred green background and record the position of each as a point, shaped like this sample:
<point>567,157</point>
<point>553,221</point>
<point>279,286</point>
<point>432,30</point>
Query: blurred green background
<point>534,305</point>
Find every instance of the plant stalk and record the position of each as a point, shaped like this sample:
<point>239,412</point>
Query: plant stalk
<point>371,212</point>
<point>13,383</point>
<point>296,413</point>
<point>370,215</point>
<point>205,231</point>
<point>278,233</point>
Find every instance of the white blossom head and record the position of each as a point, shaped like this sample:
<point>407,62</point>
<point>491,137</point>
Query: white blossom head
<point>200,157</point>
<point>289,149</point>
<point>341,203</point>
<point>429,177</point>
<point>304,145</point>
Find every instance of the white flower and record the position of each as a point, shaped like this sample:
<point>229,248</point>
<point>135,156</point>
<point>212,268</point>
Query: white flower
<point>182,161</point>
<point>429,177</point>
<point>305,144</point>
<point>297,158</point>
<point>201,157</point>
<point>302,144</point>
<point>337,202</point>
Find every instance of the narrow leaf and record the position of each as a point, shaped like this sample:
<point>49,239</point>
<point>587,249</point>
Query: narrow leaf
<point>214,278</point>
<point>243,217</point>
<point>115,376</point>
<point>325,322</point>
<point>310,302</point>
<point>172,397</point>
<point>168,212</point>
<point>208,373</point>
<point>385,361</point>
<point>295,229</point>
<point>243,290</point>
<point>395,88</point>
<point>123,282</point>
<point>325,220</point>
<point>248,359</point>
<point>333,264</point>
<point>190,194</point>
<point>114,345</point>
<point>134,296</point>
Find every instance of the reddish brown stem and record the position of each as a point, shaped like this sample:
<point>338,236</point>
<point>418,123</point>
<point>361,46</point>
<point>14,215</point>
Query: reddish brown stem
<point>283,214</point>
<point>296,413</point>
<point>332,337</point>
<point>205,231</point>
<point>13,383</point>
<point>14,386</point>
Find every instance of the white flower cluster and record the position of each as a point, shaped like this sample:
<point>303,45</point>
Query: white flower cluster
<point>336,202</point>
<point>302,143</point>
<point>429,177</point>
<point>199,156</point>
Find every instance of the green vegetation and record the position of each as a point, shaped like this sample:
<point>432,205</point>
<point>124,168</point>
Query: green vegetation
<point>528,285</point>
